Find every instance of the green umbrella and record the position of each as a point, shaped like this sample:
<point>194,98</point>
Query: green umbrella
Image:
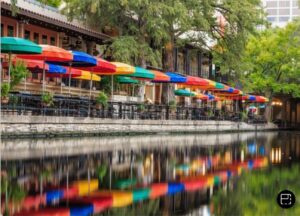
<point>14,45</point>
<point>219,85</point>
<point>126,80</point>
<point>142,73</point>
<point>184,93</point>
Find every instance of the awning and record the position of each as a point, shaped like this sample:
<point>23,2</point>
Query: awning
<point>184,93</point>
<point>176,78</point>
<point>160,77</point>
<point>126,80</point>
<point>86,75</point>
<point>142,73</point>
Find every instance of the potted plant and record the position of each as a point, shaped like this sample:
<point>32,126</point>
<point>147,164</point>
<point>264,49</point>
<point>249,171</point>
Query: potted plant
<point>101,100</point>
<point>172,106</point>
<point>5,88</point>
<point>47,99</point>
<point>141,108</point>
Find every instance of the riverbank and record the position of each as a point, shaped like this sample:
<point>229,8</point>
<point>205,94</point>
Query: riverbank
<point>48,126</point>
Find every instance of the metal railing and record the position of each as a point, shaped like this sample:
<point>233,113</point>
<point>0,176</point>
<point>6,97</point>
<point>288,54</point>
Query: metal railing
<point>28,104</point>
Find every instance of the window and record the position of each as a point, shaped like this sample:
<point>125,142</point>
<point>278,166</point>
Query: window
<point>44,39</point>
<point>52,41</point>
<point>284,3</point>
<point>271,19</point>
<point>10,31</point>
<point>271,4</point>
<point>296,11</point>
<point>2,30</point>
<point>271,12</point>
<point>36,37</point>
<point>284,11</point>
<point>284,19</point>
<point>27,34</point>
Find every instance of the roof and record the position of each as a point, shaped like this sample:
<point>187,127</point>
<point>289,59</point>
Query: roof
<point>35,10</point>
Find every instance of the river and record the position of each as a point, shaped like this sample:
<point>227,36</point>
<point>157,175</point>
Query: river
<point>247,171</point>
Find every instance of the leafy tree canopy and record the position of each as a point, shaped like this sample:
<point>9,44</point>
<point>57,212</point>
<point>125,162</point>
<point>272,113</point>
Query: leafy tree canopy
<point>147,29</point>
<point>272,61</point>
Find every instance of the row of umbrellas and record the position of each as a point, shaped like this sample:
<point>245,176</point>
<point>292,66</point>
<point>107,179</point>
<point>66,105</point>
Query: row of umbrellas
<point>54,61</point>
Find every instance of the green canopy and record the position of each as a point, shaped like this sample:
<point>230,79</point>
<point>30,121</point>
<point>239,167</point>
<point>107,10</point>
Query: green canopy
<point>16,45</point>
<point>126,80</point>
<point>184,93</point>
<point>142,73</point>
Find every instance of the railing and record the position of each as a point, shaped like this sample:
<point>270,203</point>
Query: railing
<point>28,104</point>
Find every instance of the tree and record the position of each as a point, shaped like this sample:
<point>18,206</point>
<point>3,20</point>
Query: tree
<point>148,30</point>
<point>272,63</point>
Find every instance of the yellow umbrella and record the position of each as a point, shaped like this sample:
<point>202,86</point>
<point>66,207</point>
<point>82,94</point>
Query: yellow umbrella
<point>123,69</point>
<point>86,75</point>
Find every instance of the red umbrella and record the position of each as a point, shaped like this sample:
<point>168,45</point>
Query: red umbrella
<point>35,65</point>
<point>196,81</point>
<point>103,67</point>
<point>50,54</point>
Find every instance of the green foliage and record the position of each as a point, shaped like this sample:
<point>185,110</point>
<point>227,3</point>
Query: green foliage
<point>102,99</point>
<point>144,29</point>
<point>141,107</point>
<point>5,88</point>
<point>52,3</point>
<point>101,172</point>
<point>47,98</point>
<point>256,193</point>
<point>272,61</point>
<point>17,73</point>
<point>172,105</point>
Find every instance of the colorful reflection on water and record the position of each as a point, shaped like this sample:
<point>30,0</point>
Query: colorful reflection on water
<point>215,174</point>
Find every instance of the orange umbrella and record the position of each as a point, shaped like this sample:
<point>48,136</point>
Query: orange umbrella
<point>160,77</point>
<point>50,54</point>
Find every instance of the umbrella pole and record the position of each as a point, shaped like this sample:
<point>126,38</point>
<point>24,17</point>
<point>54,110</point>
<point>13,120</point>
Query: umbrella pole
<point>70,71</point>
<point>112,87</point>
<point>44,65</point>
<point>60,84</point>
<point>9,67</point>
<point>25,82</point>
<point>91,83</point>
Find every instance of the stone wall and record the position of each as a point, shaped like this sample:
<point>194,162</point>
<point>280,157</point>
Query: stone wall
<point>17,126</point>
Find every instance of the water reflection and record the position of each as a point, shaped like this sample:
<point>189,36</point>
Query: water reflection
<point>53,174</point>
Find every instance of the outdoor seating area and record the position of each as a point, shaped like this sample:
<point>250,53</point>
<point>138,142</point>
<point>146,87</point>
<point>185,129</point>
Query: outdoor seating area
<point>58,69</point>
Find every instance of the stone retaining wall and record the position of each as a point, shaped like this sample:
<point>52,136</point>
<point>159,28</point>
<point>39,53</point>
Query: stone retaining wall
<point>17,126</point>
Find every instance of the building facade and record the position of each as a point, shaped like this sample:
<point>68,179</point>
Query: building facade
<point>280,12</point>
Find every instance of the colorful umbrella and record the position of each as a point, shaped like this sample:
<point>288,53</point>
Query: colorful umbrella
<point>184,93</point>
<point>103,67</point>
<point>195,81</point>
<point>160,77</point>
<point>14,45</point>
<point>142,73</point>
<point>86,75</point>
<point>50,54</point>
<point>176,78</point>
<point>126,80</point>
<point>121,69</point>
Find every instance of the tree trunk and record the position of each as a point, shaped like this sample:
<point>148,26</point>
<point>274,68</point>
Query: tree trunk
<point>268,110</point>
<point>168,66</point>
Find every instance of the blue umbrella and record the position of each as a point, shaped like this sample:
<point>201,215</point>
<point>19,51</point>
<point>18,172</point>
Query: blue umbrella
<point>176,78</point>
<point>80,59</point>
